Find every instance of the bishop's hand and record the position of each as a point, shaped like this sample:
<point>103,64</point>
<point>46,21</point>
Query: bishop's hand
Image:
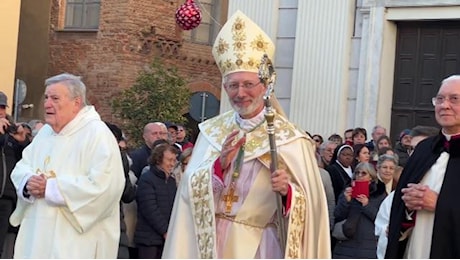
<point>280,181</point>
<point>230,148</point>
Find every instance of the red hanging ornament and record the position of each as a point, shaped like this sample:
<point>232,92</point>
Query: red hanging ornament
<point>188,15</point>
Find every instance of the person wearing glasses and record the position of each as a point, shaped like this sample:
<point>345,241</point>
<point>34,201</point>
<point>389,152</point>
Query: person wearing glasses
<point>358,211</point>
<point>182,139</point>
<point>226,202</point>
<point>424,219</point>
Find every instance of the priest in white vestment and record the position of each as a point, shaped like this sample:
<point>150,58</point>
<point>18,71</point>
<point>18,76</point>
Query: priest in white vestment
<point>69,181</point>
<point>226,206</point>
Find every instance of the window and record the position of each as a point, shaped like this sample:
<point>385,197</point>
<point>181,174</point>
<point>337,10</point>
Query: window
<point>208,29</point>
<point>82,14</point>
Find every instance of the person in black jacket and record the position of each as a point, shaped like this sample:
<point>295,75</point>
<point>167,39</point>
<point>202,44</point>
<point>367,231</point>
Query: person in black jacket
<point>129,193</point>
<point>155,198</point>
<point>12,141</point>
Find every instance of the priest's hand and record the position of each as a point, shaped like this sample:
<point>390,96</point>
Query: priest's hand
<point>36,185</point>
<point>419,196</point>
<point>280,181</point>
<point>230,148</point>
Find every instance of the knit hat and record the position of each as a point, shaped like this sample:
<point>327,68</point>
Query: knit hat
<point>404,133</point>
<point>3,99</point>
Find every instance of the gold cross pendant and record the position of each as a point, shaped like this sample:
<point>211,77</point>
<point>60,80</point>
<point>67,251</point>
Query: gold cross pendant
<point>230,198</point>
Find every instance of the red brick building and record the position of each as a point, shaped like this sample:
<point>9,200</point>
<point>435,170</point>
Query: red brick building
<point>109,42</point>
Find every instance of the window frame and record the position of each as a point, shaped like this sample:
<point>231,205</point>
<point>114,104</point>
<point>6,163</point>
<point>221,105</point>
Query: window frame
<point>85,18</point>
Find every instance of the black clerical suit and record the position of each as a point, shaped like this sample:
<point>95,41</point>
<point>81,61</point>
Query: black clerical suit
<point>445,241</point>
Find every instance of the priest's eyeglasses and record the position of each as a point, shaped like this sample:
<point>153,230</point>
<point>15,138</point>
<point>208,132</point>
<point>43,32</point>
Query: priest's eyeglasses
<point>438,100</point>
<point>247,85</point>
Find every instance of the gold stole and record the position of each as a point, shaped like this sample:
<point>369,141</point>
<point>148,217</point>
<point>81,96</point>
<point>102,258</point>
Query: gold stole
<point>256,211</point>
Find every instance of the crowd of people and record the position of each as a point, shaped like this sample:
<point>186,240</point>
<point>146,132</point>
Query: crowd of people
<point>71,188</point>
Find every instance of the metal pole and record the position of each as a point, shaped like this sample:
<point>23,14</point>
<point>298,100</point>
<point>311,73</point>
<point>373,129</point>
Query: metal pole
<point>203,106</point>
<point>267,75</point>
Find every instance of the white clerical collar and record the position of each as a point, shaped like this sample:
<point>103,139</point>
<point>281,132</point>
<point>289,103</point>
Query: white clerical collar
<point>348,169</point>
<point>448,136</point>
<point>251,123</point>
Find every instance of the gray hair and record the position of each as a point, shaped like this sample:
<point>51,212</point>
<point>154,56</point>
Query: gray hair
<point>386,157</point>
<point>450,78</point>
<point>323,146</point>
<point>73,83</point>
<point>377,127</point>
<point>369,168</point>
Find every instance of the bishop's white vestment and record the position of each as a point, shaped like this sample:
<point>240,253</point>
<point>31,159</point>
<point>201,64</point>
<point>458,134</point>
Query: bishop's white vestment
<point>200,228</point>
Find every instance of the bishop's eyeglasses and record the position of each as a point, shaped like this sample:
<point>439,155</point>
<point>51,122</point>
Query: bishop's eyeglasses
<point>247,85</point>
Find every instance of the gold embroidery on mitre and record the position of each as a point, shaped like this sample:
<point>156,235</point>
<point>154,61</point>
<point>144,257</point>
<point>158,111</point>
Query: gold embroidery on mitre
<point>240,45</point>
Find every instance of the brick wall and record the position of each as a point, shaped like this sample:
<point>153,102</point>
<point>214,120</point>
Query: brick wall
<point>131,34</point>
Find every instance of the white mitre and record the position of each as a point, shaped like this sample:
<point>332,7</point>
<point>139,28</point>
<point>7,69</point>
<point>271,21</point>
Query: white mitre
<point>240,45</point>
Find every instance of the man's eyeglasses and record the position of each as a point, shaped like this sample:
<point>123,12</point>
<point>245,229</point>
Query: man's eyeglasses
<point>438,100</point>
<point>233,86</point>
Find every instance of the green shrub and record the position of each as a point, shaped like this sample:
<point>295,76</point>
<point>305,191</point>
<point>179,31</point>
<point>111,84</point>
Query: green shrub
<point>159,94</point>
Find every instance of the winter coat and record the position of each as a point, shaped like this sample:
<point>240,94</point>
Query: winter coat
<point>402,153</point>
<point>129,194</point>
<point>155,199</point>
<point>359,227</point>
<point>13,153</point>
<point>139,157</point>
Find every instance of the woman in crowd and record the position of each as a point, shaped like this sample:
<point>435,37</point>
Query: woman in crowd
<point>359,213</point>
<point>383,142</point>
<point>361,154</point>
<point>155,198</point>
<point>386,166</point>
<point>340,168</point>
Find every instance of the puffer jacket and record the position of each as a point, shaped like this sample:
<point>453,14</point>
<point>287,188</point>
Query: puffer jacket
<point>155,199</point>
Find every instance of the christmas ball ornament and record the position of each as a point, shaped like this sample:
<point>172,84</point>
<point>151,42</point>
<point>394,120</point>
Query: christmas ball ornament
<point>188,15</point>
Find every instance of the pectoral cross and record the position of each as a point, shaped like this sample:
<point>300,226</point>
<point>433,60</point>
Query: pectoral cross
<point>229,199</point>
